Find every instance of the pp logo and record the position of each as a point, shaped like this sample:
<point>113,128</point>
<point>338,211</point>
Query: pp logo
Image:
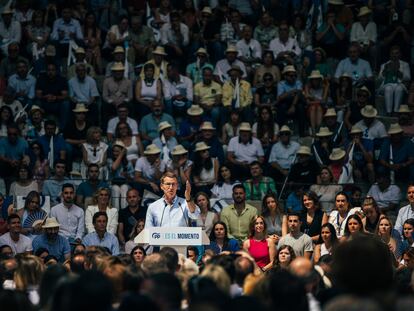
<point>156,235</point>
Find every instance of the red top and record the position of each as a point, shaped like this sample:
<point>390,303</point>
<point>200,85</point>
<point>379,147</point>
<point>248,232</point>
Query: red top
<point>260,252</point>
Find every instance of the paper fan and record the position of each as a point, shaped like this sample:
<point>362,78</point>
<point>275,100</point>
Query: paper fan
<point>38,215</point>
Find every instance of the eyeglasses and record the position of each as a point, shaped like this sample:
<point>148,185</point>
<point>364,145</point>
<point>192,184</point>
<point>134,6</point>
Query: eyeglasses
<point>169,184</point>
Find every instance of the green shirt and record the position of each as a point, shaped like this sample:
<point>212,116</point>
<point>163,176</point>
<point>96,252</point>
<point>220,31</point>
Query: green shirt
<point>256,191</point>
<point>238,225</point>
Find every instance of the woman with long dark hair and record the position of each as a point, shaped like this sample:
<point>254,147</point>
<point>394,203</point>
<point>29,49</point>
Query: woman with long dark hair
<point>273,216</point>
<point>138,255</point>
<point>312,216</point>
<point>285,255</point>
<point>220,241</point>
<point>24,183</point>
<point>265,129</point>
<point>327,241</point>
<point>353,227</point>
<point>133,144</point>
<point>408,230</point>
<point>32,215</point>
<point>205,170</point>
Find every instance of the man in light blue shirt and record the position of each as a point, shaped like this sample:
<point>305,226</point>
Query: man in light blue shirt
<point>101,237</point>
<point>171,210</point>
<point>66,28</point>
<point>23,83</point>
<point>52,186</point>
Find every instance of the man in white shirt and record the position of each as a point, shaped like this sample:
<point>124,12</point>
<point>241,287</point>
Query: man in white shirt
<point>224,65</point>
<point>122,112</point>
<point>284,47</point>
<point>371,127</point>
<point>386,195</point>
<point>249,49</point>
<point>18,242</point>
<point>300,242</point>
<point>175,35</point>
<point>407,211</point>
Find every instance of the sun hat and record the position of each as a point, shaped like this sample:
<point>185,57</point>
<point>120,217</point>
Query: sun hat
<point>119,49</point>
<point>119,143</point>
<point>159,50</point>
<point>179,150</point>
<point>355,130</point>
<point>80,50</point>
<point>245,126</point>
<point>369,111</point>
<point>164,125</point>
<point>207,10</point>
<point>235,68</point>
<point>304,150</point>
<point>315,74</point>
<point>364,89</point>
<point>200,146</point>
<point>51,222</point>
<point>404,109</point>
<point>201,51</point>
<point>330,112</point>
<point>118,67</point>
<point>395,128</point>
<point>285,128</point>
<point>364,11</point>
<point>151,150</point>
<point>80,108</point>
<point>207,125</point>
<point>231,49</point>
<point>36,108</point>
<point>323,132</point>
<point>195,110</point>
<point>289,68</point>
<point>337,154</point>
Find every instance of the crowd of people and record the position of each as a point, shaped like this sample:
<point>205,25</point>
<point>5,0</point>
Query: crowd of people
<point>283,128</point>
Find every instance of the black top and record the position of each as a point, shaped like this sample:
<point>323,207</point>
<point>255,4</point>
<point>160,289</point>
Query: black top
<point>71,132</point>
<point>315,226</point>
<point>54,87</point>
<point>129,219</point>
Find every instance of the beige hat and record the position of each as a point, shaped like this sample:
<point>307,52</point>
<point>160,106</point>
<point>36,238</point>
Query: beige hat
<point>80,108</point>
<point>7,10</point>
<point>159,50</point>
<point>304,150</point>
<point>36,108</point>
<point>404,109</point>
<point>369,111</point>
<point>330,112</point>
<point>118,67</point>
<point>119,143</point>
<point>207,10</point>
<point>207,125</point>
<point>337,154</point>
<point>119,49</point>
<point>80,50</point>
<point>245,126</point>
<point>323,132</point>
<point>195,110</point>
<point>289,68</point>
<point>152,149</point>
<point>236,68</point>
<point>364,89</point>
<point>51,222</point>
<point>345,75</point>
<point>200,146</point>
<point>179,150</point>
<point>315,74</point>
<point>231,49</point>
<point>355,130</point>
<point>285,128</point>
<point>395,128</point>
<point>201,51</point>
<point>364,11</point>
<point>163,125</point>
<point>336,2</point>
<point>50,50</point>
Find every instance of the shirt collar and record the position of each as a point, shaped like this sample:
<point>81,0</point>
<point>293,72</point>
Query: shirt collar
<point>173,202</point>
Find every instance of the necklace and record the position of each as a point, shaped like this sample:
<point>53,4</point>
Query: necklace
<point>149,83</point>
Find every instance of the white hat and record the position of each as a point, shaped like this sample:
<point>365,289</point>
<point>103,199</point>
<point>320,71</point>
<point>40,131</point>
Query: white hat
<point>207,10</point>
<point>80,50</point>
<point>80,108</point>
<point>336,2</point>
<point>315,74</point>
<point>159,50</point>
<point>119,143</point>
<point>51,222</point>
<point>179,150</point>
<point>404,109</point>
<point>207,125</point>
<point>245,126</point>
<point>369,111</point>
<point>36,108</point>
<point>163,125</point>
<point>7,10</point>
<point>118,67</point>
<point>323,132</point>
<point>355,130</point>
<point>330,112</point>
<point>337,154</point>
<point>195,110</point>
<point>201,51</point>
<point>285,128</point>
<point>152,149</point>
<point>289,68</point>
<point>395,128</point>
<point>304,150</point>
<point>119,49</point>
<point>231,49</point>
<point>200,146</point>
<point>364,11</point>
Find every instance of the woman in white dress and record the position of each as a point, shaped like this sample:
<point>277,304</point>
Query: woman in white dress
<point>94,151</point>
<point>101,200</point>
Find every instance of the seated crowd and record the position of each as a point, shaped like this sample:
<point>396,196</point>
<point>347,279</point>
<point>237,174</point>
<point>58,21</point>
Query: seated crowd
<point>291,120</point>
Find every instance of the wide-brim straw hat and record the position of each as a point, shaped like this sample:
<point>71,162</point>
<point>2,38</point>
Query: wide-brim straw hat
<point>119,49</point>
<point>51,222</point>
<point>364,11</point>
<point>201,51</point>
<point>80,108</point>
<point>235,68</point>
<point>206,10</point>
<point>364,89</point>
<point>315,74</point>
<point>118,67</point>
<point>80,50</point>
<point>289,68</point>
<point>369,111</point>
<point>36,108</point>
<point>395,128</point>
<point>404,109</point>
<point>330,112</point>
<point>304,150</point>
<point>285,128</point>
<point>323,132</point>
<point>195,110</point>
<point>200,146</point>
<point>336,2</point>
<point>179,150</point>
<point>337,154</point>
<point>207,125</point>
<point>355,130</point>
<point>159,50</point>
<point>152,149</point>
<point>164,125</point>
<point>7,10</point>
<point>231,49</point>
<point>245,126</point>
<point>119,143</point>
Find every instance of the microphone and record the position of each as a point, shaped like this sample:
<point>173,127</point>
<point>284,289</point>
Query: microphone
<point>162,216</point>
<point>186,220</point>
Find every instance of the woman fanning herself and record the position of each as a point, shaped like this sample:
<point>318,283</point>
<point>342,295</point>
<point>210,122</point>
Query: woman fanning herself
<point>327,241</point>
<point>312,216</point>
<point>261,248</point>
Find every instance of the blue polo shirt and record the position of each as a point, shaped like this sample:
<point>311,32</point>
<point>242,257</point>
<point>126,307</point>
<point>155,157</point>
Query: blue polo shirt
<point>58,249</point>
<point>13,151</point>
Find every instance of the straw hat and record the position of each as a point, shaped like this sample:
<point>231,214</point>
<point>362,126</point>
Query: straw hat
<point>364,89</point>
<point>118,67</point>
<point>51,222</point>
<point>50,50</point>
<point>7,10</point>
<point>337,154</point>
<point>36,108</point>
<point>80,108</point>
<point>195,110</point>
<point>207,10</point>
<point>355,130</point>
<point>330,112</point>
<point>245,126</point>
<point>80,50</point>
<point>336,2</point>
<point>119,143</point>
<point>152,149</point>
<point>201,51</point>
<point>395,128</point>
<point>119,49</point>
<point>369,111</point>
<point>364,11</point>
<point>231,49</point>
<point>236,68</point>
<point>163,125</point>
<point>315,74</point>
<point>179,150</point>
<point>200,146</point>
<point>305,150</point>
<point>323,132</point>
<point>207,125</point>
<point>159,50</point>
<point>289,68</point>
<point>404,109</point>
<point>285,128</point>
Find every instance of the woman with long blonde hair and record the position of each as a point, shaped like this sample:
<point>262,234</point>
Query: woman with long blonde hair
<point>102,203</point>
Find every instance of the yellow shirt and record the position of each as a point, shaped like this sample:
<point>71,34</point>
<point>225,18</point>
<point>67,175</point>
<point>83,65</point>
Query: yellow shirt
<point>246,96</point>
<point>207,93</point>
<point>157,69</point>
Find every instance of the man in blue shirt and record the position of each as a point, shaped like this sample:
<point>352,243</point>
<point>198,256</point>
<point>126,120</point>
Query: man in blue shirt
<point>171,210</point>
<point>55,244</point>
<point>101,237</point>
<point>52,141</point>
<point>23,83</point>
<point>87,189</point>
<point>53,186</point>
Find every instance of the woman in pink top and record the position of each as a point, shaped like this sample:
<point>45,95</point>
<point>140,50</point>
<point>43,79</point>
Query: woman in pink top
<point>261,248</point>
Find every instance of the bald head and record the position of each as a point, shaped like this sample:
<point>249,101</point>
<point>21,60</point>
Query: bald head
<point>301,267</point>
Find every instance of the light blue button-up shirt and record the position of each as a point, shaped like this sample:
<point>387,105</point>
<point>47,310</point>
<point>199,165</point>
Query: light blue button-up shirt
<point>71,220</point>
<point>83,91</point>
<point>109,241</point>
<point>161,214</point>
<point>72,26</point>
<point>26,84</point>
